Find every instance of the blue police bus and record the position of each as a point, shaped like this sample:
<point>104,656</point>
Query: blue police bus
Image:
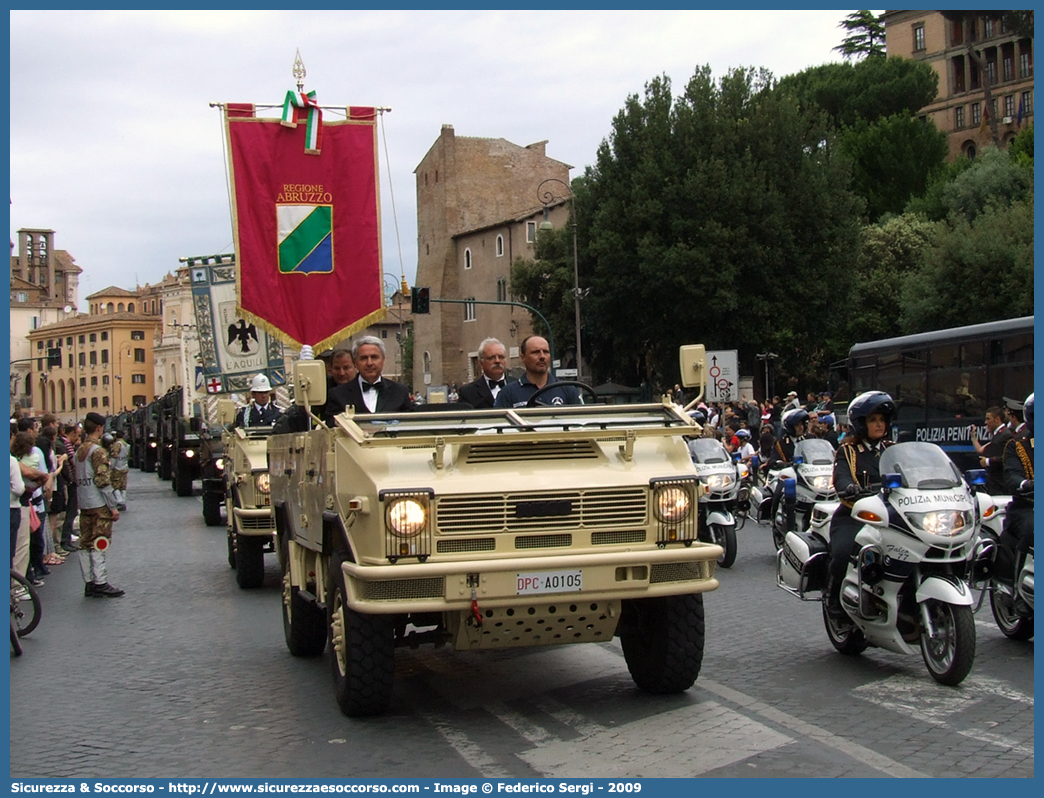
<point>944,381</point>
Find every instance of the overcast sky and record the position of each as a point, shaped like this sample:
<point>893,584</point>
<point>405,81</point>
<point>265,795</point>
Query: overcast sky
<point>114,145</point>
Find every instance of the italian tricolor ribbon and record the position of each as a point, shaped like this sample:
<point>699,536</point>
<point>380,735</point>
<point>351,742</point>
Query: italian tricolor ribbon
<point>293,108</point>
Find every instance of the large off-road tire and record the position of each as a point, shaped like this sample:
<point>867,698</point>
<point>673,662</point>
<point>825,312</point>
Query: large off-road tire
<point>724,536</point>
<point>250,561</point>
<point>1013,625</point>
<point>950,653</point>
<point>662,641</point>
<point>183,479</point>
<point>163,469</point>
<point>363,648</point>
<point>212,508</point>
<point>304,624</point>
<point>845,636</point>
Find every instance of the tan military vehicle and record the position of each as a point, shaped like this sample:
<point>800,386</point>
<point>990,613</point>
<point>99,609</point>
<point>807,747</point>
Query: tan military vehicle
<point>491,529</point>
<point>248,498</point>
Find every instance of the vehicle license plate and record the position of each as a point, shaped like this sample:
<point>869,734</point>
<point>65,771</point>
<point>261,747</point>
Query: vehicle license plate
<point>550,582</point>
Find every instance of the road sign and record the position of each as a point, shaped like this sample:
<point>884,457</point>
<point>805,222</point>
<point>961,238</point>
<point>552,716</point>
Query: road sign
<point>722,376</point>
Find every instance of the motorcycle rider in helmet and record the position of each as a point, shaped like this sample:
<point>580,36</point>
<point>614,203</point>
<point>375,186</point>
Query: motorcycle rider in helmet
<point>1018,481</point>
<point>856,468</point>
<point>795,428</point>
<point>746,449</point>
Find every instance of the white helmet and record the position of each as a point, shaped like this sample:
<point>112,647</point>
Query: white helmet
<point>260,383</point>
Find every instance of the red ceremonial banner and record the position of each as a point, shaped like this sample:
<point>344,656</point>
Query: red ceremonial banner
<point>306,226</point>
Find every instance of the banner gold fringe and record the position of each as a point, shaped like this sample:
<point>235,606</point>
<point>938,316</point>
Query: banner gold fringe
<point>281,335</point>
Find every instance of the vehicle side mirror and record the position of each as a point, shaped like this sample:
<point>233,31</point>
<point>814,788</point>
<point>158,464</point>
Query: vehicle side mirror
<point>692,360</point>
<point>310,382</point>
<point>226,412</point>
<point>976,477</point>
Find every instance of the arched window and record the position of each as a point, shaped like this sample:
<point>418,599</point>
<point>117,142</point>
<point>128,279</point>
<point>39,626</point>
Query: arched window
<point>119,308</point>
<point>61,393</point>
<point>500,246</point>
<point>427,362</point>
<point>130,307</point>
<point>467,258</point>
<point>110,308</point>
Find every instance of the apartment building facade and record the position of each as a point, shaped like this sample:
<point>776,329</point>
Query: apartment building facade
<point>477,211</point>
<point>974,53</point>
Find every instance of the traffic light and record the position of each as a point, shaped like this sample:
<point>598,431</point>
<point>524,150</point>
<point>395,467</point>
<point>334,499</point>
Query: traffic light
<point>420,300</point>
<point>54,357</point>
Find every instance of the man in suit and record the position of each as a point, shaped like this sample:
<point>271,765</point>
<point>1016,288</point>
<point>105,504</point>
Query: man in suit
<point>991,453</point>
<point>262,411</point>
<point>369,392</point>
<point>482,393</point>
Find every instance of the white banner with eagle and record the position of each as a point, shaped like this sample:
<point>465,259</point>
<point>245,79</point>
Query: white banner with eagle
<point>233,349</point>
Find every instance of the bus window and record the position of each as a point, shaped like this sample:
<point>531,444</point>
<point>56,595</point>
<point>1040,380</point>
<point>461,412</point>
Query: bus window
<point>903,376</point>
<point>956,393</point>
<point>1014,349</point>
<point>973,355</point>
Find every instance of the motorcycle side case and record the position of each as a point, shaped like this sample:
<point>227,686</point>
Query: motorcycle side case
<point>801,565</point>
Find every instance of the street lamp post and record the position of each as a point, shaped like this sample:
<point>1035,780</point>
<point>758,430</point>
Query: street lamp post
<point>546,197</point>
<point>403,290</point>
<point>768,357</point>
<point>119,371</point>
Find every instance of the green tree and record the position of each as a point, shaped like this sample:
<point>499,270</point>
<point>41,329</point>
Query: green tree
<point>893,159</point>
<point>866,36</point>
<point>870,89</point>
<point>546,283</point>
<point>1021,148</point>
<point>889,251</point>
<point>994,178</point>
<point>976,269</point>
<point>719,218</point>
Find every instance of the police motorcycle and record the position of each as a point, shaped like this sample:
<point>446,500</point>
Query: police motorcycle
<point>720,476</point>
<point>993,512</point>
<point>812,472</point>
<point>747,483</point>
<point>906,585</point>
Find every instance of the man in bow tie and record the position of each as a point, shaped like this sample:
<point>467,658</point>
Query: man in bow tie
<point>482,393</point>
<point>369,392</point>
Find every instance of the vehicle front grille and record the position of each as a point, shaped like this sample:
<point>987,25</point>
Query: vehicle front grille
<point>264,522</point>
<point>542,541</point>
<point>680,571</point>
<point>541,511</point>
<point>458,545</point>
<point>532,450</point>
<point>402,589</point>
<point>611,538</point>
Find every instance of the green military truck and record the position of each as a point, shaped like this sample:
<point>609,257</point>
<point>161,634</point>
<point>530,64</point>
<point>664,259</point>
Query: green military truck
<point>491,529</point>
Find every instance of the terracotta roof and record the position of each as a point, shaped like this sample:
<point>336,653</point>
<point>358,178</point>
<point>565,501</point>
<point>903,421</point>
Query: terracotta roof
<point>96,320</point>
<point>528,213</point>
<point>67,261</point>
<point>113,290</point>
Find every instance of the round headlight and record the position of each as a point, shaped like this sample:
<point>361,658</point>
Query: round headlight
<point>219,464</point>
<point>718,482</point>
<point>671,504</point>
<point>822,482</point>
<point>190,453</point>
<point>945,523</point>
<point>262,482</point>
<point>406,517</point>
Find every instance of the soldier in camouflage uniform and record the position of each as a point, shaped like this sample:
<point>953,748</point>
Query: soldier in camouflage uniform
<point>119,467</point>
<point>97,509</point>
